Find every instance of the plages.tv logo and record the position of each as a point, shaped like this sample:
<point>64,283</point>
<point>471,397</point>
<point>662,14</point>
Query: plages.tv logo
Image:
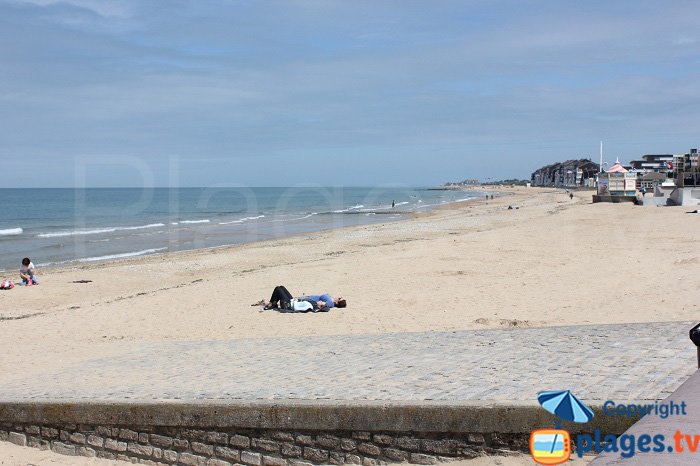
<point>553,446</point>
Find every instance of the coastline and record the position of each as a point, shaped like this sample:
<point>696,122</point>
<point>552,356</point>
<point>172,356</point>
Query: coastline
<point>468,265</point>
<point>548,262</point>
<point>78,264</point>
<point>55,244</point>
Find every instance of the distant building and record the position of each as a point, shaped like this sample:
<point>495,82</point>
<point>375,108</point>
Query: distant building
<point>657,163</point>
<point>687,169</point>
<point>681,167</point>
<point>651,180</point>
<point>569,174</point>
<point>471,182</point>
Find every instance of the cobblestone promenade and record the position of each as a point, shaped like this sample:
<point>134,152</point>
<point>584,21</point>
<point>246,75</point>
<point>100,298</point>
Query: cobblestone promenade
<point>619,362</point>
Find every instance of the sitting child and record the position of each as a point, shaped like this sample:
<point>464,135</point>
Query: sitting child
<point>27,272</point>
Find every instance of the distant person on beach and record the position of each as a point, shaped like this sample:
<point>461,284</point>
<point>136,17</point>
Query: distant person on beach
<point>393,204</point>
<point>571,196</point>
<point>27,272</point>
<point>281,299</point>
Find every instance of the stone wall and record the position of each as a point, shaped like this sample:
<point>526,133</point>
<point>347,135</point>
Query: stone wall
<point>256,447</point>
<point>281,433</point>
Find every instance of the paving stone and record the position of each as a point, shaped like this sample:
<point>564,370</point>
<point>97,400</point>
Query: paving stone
<point>78,438</point>
<point>623,362</point>
<point>189,459</point>
<point>86,451</point>
<point>37,442</point>
<point>180,444</point>
<point>143,450</point>
<point>127,434</point>
<point>194,434</point>
<point>101,430</point>
<point>368,449</point>
<point>316,455</point>
<point>336,458</point>
<point>266,445</point>
<point>95,441</point>
<point>227,453</point>
<point>305,440</point>
<point>115,445</point>
<point>347,444</point>
<point>407,443</point>
<point>239,441</point>
<point>395,455</point>
<point>293,451</point>
<point>18,439</point>
<point>328,442</point>
<point>251,458</point>
<point>217,462</point>
<point>48,432</point>
<point>217,437</point>
<point>161,441</point>
<point>283,436</point>
<point>419,458</point>
<point>300,463</point>
<point>273,461</point>
<point>383,439</point>
<point>202,448</point>
<point>62,448</point>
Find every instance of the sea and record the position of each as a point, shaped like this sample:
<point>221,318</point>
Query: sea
<point>54,227</point>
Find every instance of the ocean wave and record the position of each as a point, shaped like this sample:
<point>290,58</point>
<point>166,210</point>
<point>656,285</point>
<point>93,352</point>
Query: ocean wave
<point>193,221</point>
<point>242,220</point>
<point>95,231</point>
<point>342,211</point>
<point>121,256</point>
<point>152,225</point>
<point>11,232</point>
<point>306,216</point>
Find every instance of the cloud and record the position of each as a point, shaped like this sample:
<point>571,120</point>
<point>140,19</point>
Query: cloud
<point>104,8</point>
<point>474,85</point>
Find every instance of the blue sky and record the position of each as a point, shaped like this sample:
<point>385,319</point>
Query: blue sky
<point>354,93</point>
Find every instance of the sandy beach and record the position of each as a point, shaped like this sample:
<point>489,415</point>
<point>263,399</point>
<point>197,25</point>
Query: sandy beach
<point>551,261</point>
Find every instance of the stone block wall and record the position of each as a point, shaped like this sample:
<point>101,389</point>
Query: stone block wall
<point>257,447</point>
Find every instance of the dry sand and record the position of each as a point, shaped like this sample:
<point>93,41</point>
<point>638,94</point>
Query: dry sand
<point>476,265</point>
<point>552,261</point>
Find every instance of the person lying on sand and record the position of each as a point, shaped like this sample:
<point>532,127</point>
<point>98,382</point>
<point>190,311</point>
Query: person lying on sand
<point>281,299</point>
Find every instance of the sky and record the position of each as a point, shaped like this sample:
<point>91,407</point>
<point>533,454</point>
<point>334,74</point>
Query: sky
<point>338,93</point>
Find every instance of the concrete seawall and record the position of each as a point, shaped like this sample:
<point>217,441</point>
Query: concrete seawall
<point>280,433</point>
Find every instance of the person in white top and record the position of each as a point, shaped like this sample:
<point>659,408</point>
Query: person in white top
<point>27,272</point>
